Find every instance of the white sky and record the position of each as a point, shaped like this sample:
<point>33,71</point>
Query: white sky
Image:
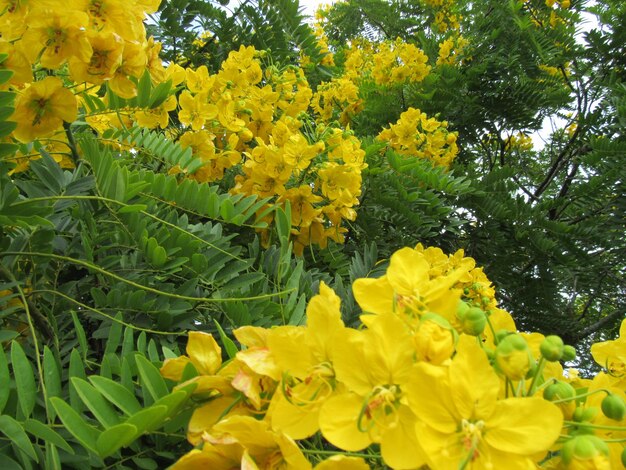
<point>311,5</point>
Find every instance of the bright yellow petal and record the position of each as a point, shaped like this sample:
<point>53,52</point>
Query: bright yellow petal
<point>173,368</point>
<point>374,295</point>
<point>204,352</point>
<point>338,422</point>
<point>408,270</point>
<point>288,347</point>
<point>523,425</point>
<point>323,322</point>
<point>428,394</point>
<point>342,462</point>
<point>298,422</point>
<point>473,383</point>
<point>399,445</point>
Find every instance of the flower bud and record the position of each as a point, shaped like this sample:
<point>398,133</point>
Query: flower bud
<point>585,414</point>
<point>569,353</point>
<point>513,357</point>
<point>559,391</point>
<point>613,407</point>
<point>565,394</point>
<point>435,339</point>
<point>585,451</point>
<point>624,457</point>
<point>552,348</point>
<point>474,321</point>
<point>461,309</point>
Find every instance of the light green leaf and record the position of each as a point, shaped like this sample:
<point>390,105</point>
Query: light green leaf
<point>14,431</point>
<point>44,432</point>
<point>229,345</point>
<point>84,433</point>
<point>100,408</point>
<point>5,379</point>
<point>116,437</point>
<point>24,379</point>
<point>116,394</point>
<point>151,378</point>
<point>149,419</point>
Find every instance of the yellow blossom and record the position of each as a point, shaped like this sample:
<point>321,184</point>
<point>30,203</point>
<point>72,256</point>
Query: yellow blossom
<point>462,424</point>
<point>42,108</point>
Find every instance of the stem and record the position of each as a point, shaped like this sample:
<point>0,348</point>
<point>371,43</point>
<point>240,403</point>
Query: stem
<point>97,269</point>
<point>594,426</point>
<point>71,141</point>
<point>538,372</point>
<point>562,400</point>
<point>334,452</point>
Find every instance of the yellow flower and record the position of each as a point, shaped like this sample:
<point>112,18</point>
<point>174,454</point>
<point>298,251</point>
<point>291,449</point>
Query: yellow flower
<point>612,356</point>
<point>195,110</point>
<point>156,117</point>
<point>305,355</point>
<point>133,64</point>
<point>342,462</point>
<point>106,58</point>
<point>202,351</point>
<point>244,442</point>
<point>61,35</point>
<point>374,365</point>
<point>42,108</point>
<point>464,425</point>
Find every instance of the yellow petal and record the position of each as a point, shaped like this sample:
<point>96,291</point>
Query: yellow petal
<point>408,270</point>
<point>298,422</point>
<point>338,422</point>
<point>204,352</point>
<point>374,295</point>
<point>342,462</point>
<point>173,368</point>
<point>523,425</point>
<point>288,347</point>
<point>399,446</point>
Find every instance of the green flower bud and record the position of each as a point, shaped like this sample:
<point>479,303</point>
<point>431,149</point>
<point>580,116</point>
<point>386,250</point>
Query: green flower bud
<point>582,448</point>
<point>569,353</point>
<point>474,321</point>
<point>613,407</point>
<point>501,334</point>
<point>461,309</point>
<point>585,414</point>
<point>552,348</point>
<point>559,391</point>
<point>513,357</point>
<point>624,457</point>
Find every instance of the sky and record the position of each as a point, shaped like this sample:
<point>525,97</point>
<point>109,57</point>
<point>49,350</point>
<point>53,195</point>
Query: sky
<point>311,5</point>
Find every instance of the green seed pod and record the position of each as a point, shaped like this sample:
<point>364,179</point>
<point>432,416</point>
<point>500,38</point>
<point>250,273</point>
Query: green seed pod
<point>559,391</point>
<point>613,407</point>
<point>569,353</point>
<point>474,322</point>
<point>583,447</point>
<point>552,348</point>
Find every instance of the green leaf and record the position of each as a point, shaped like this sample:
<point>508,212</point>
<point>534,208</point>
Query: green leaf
<point>116,437</point>
<point>76,369</point>
<point>7,98</point>
<point>7,127</point>
<point>5,379</point>
<point>116,394</point>
<point>151,377</point>
<point>51,374</point>
<point>14,431</point>
<point>5,75</point>
<point>84,433</point>
<point>44,432</point>
<point>229,344</point>
<point>24,379</point>
<point>100,408</point>
<point>80,334</point>
<point>115,335</point>
<point>143,90</point>
<point>149,419</point>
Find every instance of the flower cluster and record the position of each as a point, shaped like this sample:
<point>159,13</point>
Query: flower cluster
<point>80,46</point>
<point>444,17</point>
<point>437,376</point>
<point>415,134</point>
<point>451,50</point>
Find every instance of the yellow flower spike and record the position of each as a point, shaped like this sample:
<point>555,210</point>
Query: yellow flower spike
<point>41,109</point>
<point>464,425</point>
